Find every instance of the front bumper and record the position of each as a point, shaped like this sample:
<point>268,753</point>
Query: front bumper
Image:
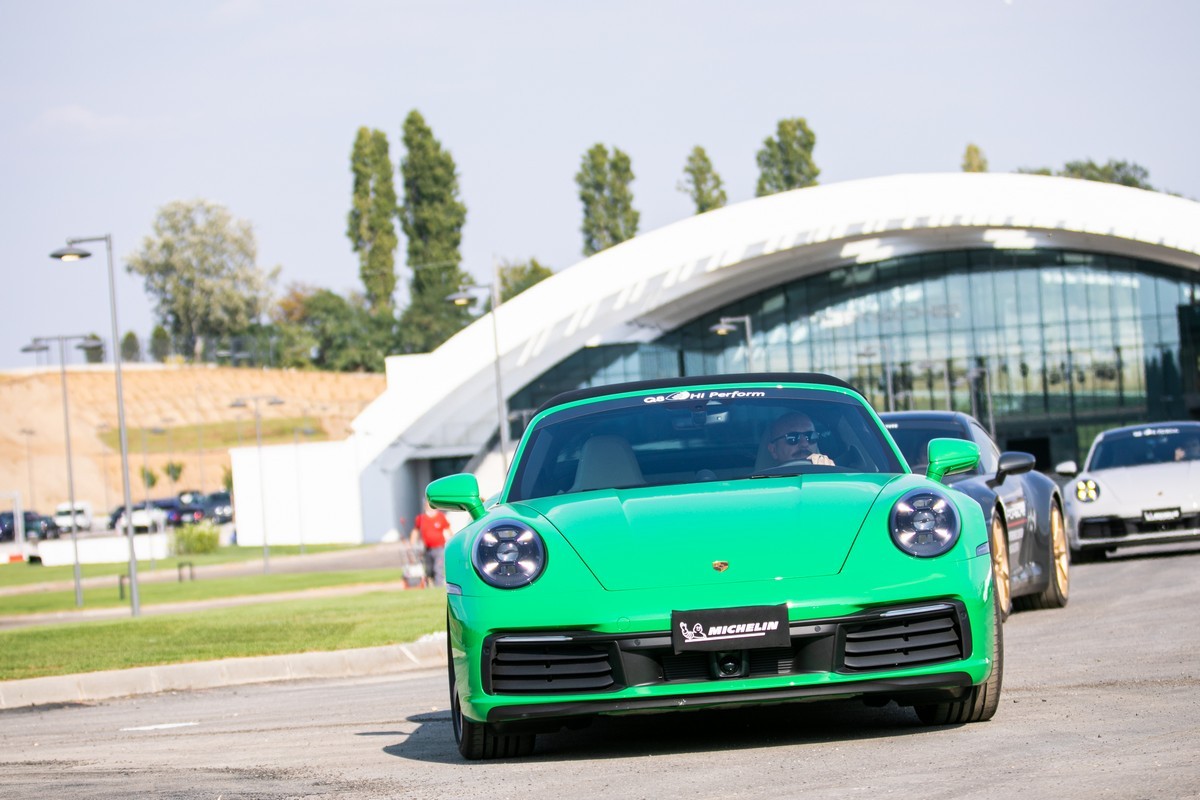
<point>912,650</point>
<point>1111,531</point>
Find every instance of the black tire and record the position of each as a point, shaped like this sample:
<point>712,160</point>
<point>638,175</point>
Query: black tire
<point>981,702</point>
<point>478,740</point>
<point>1058,563</point>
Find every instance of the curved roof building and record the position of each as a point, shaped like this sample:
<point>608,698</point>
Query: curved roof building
<point>1048,307</point>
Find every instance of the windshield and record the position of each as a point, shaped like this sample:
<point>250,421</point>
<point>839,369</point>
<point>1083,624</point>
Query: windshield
<point>694,437</point>
<point>1135,448</point>
<point>912,436</point>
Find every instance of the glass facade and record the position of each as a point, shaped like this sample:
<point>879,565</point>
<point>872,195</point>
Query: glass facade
<point>1048,347</point>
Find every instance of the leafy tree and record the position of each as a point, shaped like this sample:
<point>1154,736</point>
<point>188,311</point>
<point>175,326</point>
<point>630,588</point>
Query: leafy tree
<point>131,348</point>
<point>199,265</point>
<point>370,227</point>
<point>701,182</point>
<point>149,478</point>
<point>160,344</point>
<point>517,277</point>
<point>173,469</point>
<point>320,328</point>
<point>974,160</point>
<point>94,355</point>
<point>432,218</point>
<point>1125,173</point>
<point>604,189</point>
<point>785,162</point>
<point>227,478</point>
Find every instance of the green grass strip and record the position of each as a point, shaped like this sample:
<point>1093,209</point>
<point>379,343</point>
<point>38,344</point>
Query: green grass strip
<point>23,574</point>
<point>151,593</point>
<point>296,626</point>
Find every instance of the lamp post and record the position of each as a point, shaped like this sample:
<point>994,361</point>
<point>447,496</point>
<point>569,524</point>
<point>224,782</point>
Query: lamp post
<point>28,433</point>
<point>464,297</point>
<point>869,352</point>
<point>41,344</point>
<point>73,253</point>
<point>245,402</point>
<point>726,327</point>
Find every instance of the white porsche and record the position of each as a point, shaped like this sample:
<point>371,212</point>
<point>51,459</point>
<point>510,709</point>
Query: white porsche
<point>1140,485</point>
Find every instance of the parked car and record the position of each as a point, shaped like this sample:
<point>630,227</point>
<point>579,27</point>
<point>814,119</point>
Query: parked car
<point>653,549</point>
<point>79,519</point>
<point>37,526</point>
<point>218,506</point>
<point>177,512</point>
<point>147,517</point>
<point>1023,508</point>
<point>1140,485</point>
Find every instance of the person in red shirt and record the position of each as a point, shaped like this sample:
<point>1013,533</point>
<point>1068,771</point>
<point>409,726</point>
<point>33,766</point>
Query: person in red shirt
<point>431,528</point>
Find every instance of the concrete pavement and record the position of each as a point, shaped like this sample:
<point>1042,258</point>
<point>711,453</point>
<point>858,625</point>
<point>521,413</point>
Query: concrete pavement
<point>429,652</point>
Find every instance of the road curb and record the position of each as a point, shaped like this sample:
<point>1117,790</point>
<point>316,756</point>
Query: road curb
<point>428,652</point>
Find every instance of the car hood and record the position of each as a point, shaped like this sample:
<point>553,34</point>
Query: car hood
<point>1150,486</point>
<point>763,529</point>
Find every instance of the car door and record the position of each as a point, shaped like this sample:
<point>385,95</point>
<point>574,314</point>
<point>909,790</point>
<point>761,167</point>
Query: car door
<point>1016,506</point>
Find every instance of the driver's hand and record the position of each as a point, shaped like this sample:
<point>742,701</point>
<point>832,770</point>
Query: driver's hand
<point>821,458</point>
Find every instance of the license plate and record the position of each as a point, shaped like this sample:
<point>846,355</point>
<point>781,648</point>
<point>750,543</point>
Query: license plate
<point>1160,515</point>
<point>742,628</point>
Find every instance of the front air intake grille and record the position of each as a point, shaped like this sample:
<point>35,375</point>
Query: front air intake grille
<point>551,668</point>
<point>909,642</point>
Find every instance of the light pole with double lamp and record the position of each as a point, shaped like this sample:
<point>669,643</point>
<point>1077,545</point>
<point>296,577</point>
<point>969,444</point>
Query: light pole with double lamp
<point>74,253</point>
<point>245,402</point>
<point>726,327</point>
<point>464,297</point>
<point>41,344</point>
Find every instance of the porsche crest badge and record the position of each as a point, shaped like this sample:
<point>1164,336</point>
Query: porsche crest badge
<point>720,566</point>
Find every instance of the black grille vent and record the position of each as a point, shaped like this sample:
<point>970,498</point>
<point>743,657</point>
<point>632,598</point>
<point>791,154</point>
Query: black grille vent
<point>903,643</point>
<point>550,668</point>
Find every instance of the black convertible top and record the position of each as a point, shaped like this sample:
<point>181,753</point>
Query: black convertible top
<point>739,379</point>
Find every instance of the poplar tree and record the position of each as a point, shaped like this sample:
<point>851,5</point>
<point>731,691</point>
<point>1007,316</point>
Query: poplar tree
<point>370,225</point>
<point>701,182</point>
<point>974,160</point>
<point>608,214</point>
<point>785,162</point>
<point>432,219</point>
<point>517,277</point>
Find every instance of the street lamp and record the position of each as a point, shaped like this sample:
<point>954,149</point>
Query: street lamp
<point>40,344</point>
<point>244,402</point>
<point>726,327</point>
<point>464,297</point>
<point>73,253</point>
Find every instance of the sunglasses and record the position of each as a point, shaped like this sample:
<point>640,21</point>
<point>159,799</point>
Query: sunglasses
<point>795,437</point>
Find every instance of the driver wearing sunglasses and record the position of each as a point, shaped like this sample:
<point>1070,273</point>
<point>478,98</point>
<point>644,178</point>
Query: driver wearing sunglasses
<point>793,438</point>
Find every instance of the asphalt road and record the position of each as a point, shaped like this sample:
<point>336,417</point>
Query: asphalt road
<point>1101,700</point>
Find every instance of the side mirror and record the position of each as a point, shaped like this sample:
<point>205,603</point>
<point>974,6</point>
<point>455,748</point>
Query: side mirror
<point>1068,468</point>
<point>456,493</point>
<point>948,456</point>
<point>1012,462</point>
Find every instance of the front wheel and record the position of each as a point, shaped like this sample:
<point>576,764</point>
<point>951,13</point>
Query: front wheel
<point>981,702</point>
<point>478,740</point>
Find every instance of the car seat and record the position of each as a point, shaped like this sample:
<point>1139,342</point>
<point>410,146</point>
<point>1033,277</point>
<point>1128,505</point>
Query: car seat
<point>606,462</point>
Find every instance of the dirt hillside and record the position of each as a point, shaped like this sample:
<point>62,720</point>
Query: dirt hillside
<point>162,397</point>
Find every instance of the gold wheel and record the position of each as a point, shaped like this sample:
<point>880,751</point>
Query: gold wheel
<point>1060,555</point>
<point>1000,566</point>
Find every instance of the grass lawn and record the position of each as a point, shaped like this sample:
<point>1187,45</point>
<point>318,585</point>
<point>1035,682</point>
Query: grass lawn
<point>297,626</point>
<point>150,593</point>
<point>23,574</point>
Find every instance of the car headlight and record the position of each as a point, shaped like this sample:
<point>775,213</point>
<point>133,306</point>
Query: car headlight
<point>924,523</point>
<point>509,554</point>
<point>1087,491</point>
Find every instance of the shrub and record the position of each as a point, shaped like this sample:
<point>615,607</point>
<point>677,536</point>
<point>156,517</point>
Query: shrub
<point>202,537</point>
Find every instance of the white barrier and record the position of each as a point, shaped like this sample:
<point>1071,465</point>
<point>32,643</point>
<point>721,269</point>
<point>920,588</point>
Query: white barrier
<point>104,549</point>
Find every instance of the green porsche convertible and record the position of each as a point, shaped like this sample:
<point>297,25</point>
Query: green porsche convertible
<point>697,542</point>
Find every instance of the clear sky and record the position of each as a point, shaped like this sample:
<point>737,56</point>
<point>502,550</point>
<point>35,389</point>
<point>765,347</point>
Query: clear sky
<point>110,109</point>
